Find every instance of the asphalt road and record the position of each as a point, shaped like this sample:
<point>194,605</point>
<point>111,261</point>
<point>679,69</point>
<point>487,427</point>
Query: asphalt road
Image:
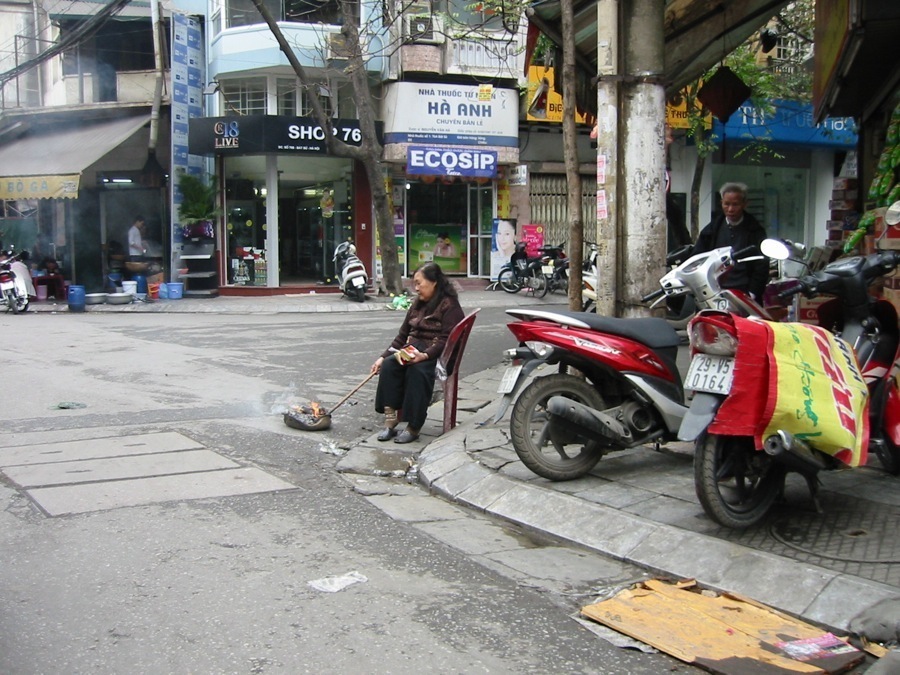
<point>162,581</point>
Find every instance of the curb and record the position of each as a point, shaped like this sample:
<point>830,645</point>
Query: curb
<point>812,593</point>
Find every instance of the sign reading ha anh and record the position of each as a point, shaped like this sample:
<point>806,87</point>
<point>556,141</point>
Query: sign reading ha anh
<point>450,114</point>
<point>429,161</point>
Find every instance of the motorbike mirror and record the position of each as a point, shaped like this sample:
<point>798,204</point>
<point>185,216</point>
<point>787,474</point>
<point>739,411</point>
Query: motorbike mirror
<point>775,248</point>
<point>892,215</point>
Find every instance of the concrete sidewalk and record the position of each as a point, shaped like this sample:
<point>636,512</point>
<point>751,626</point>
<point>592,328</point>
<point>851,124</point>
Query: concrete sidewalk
<point>637,506</point>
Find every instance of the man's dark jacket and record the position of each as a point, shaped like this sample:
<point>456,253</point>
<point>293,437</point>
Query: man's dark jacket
<point>749,276</point>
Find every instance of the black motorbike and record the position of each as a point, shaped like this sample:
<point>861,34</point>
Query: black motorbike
<point>523,272</point>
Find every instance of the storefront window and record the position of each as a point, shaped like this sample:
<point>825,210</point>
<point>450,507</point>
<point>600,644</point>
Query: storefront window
<point>314,216</point>
<point>777,196</point>
<point>437,216</point>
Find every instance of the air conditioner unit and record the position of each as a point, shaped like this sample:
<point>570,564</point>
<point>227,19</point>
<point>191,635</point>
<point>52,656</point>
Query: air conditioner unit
<point>423,29</point>
<point>337,49</point>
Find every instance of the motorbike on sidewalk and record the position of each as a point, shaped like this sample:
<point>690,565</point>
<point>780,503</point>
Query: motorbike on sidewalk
<point>680,305</point>
<point>590,278</point>
<point>523,272</point>
<point>13,290</point>
<point>765,406</point>
<point>555,266</point>
<point>630,392</point>
<point>351,272</point>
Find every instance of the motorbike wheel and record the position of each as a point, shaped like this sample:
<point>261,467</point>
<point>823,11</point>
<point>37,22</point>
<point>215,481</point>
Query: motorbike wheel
<point>889,456</point>
<point>24,305</point>
<point>508,282</point>
<point>539,284</point>
<point>735,483</point>
<point>554,454</point>
<point>588,306</point>
<point>358,294</point>
<point>11,302</point>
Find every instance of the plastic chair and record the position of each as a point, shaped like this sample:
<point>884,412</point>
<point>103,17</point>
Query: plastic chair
<point>447,369</point>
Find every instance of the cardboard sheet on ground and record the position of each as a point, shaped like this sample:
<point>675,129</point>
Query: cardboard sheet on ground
<point>723,633</point>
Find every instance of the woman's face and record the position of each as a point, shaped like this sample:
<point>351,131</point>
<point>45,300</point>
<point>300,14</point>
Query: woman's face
<point>424,288</point>
<point>506,236</point>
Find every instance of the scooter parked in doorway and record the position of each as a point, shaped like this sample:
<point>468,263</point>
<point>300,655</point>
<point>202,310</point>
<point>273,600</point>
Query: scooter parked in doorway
<point>352,276</point>
<point>13,290</point>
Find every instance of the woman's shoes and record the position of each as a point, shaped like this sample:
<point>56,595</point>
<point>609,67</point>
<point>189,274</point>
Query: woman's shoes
<point>387,434</point>
<point>406,436</point>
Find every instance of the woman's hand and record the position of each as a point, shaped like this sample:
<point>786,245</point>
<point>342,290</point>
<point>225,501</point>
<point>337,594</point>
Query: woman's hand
<point>376,367</point>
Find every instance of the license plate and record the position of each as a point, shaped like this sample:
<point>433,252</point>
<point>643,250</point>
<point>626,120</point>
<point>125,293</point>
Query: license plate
<point>510,377</point>
<point>547,269</point>
<point>709,373</point>
<point>357,281</point>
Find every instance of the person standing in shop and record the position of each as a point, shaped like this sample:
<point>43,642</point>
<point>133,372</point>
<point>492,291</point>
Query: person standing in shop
<point>136,249</point>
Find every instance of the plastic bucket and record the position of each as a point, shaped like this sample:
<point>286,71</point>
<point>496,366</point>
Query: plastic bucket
<point>129,287</point>
<point>141,282</point>
<point>164,291</point>
<point>41,292</point>
<point>153,290</point>
<point>76,298</point>
<point>176,291</point>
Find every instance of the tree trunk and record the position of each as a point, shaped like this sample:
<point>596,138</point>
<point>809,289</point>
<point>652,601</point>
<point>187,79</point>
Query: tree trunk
<point>570,154</point>
<point>696,182</point>
<point>370,151</point>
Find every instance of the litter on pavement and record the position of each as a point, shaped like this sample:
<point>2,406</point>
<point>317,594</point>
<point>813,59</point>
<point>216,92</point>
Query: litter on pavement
<point>337,583</point>
<point>722,632</point>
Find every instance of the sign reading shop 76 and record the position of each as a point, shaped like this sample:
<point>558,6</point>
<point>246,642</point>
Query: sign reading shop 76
<point>251,134</point>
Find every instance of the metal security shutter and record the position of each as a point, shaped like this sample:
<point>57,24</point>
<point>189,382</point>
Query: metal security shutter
<point>549,194</point>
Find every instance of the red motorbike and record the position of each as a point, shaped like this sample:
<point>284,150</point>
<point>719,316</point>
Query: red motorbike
<point>745,444</point>
<point>628,391</point>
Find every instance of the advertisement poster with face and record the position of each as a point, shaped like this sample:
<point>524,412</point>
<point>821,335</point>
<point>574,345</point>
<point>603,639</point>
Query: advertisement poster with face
<point>503,244</point>
<point>443,244</point>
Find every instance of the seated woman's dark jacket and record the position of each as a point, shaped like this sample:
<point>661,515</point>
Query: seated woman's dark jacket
<point>428,331</point>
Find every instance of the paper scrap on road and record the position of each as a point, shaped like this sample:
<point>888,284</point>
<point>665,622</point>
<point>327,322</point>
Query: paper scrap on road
<point>337,583</point>
<point>722,633</point>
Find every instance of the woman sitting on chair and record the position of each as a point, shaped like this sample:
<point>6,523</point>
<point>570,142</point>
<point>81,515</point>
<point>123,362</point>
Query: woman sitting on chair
<point>407,368</point>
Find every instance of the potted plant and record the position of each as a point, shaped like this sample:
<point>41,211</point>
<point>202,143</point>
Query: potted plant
<point>199,206</point>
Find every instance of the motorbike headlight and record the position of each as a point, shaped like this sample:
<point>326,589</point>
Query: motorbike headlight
<point>540,349</point>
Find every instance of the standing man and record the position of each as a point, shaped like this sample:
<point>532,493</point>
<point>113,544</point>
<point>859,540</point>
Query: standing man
<point>736,228</point>
<point>136,248</point>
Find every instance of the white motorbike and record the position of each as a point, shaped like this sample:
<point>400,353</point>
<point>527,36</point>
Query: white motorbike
<point>351,273</point>
<point>13,289</point>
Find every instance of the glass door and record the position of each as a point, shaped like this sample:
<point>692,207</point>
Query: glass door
<point>481,221</point>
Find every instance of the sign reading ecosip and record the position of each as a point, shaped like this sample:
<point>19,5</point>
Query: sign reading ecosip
<point>428,161</point>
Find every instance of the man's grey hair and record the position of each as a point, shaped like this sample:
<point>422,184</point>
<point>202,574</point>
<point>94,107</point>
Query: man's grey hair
<point>739,188</point>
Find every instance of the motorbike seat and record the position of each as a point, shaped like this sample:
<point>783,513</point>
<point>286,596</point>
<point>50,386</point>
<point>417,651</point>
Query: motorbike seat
<point>653,332</point>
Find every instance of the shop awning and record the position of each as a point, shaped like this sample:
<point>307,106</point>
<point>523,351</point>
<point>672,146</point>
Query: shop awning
<point>698,33</point>
<point>47,164</point>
